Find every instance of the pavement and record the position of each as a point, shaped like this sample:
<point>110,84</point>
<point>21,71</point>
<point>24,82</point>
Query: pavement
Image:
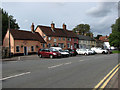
<point>73,72</point>
<point>27,57</point>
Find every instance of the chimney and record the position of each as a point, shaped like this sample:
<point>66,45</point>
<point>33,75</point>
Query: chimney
<point>64,26</point>
<point>106,36</point>
<point>52,26</point>
<point>32,27</point>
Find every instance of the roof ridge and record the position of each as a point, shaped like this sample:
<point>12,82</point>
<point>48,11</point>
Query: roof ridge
<point>21,30</point>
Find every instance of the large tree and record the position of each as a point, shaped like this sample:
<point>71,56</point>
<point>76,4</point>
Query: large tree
<point>5,19</point>
<point>82,29</point>
<point>98,36</point>
<point>114,38</point>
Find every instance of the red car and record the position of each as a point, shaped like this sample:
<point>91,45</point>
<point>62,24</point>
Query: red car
<point>48,53</point>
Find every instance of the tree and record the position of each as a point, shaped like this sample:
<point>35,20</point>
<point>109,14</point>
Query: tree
<point>82,29</point>
<point>98,36</point>
<point>5,19</point>
<point>114,38</point>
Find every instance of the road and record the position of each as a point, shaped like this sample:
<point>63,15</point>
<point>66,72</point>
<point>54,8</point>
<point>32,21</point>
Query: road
<point>73,72</point>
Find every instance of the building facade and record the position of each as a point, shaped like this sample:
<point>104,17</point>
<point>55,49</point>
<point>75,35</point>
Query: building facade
<point>23,42</point>
<point>86,41</point>
<point>58,36</point>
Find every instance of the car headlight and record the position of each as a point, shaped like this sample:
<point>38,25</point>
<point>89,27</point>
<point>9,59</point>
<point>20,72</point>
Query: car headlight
<point>54,54</point>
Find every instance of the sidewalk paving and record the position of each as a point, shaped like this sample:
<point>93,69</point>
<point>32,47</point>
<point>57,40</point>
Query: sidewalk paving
<point>27,57</point>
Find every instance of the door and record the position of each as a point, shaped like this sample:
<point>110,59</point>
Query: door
<point>25,50</point>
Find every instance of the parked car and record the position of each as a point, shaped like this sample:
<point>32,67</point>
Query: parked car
<point>109,51</point>
<point>62,52</point>
<point>83,51</point>
<point>71,52</point>
<point>48,53</point>
<point>99,50</point>
<point>91,52</point>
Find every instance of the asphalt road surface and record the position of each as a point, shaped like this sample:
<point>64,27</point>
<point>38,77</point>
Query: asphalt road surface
<point>73,72</point>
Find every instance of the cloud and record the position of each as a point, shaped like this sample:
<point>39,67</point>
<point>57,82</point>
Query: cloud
<point>102,9</point>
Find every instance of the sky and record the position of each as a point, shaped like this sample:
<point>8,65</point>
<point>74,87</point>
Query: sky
<point>99,15</point>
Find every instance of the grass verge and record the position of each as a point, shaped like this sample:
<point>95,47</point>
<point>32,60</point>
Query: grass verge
<point>116,51</point>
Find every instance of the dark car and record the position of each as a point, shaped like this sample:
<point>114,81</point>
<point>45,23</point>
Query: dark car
<point>48,53</point>
<point>71,52</point>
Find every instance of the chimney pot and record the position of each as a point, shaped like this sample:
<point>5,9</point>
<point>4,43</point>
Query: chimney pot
<point>52,25</point>
<point>64,26</point>
<point>32,27</point>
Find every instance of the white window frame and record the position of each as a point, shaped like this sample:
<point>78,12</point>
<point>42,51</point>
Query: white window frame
<point>54,39</point>
<point>49,38</point>
<point>68,44</point>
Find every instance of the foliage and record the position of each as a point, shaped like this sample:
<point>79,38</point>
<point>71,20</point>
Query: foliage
<point>98,36</point>
<point>114,38</point>
<point>82,29</point>
<point>5,19</point>
<point>116,51</point>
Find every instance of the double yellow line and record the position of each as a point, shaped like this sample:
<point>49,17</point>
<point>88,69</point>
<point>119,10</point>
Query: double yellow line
<point>103,83</point>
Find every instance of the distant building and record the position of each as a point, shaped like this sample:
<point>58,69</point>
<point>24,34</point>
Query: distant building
<point>105,40</point>
<point>86,41</point>
<point>58,36</point>
<point>99,43</point>
<point>23,42</point>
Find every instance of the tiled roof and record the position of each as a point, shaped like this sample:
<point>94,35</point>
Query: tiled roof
<point>82,37</point>
<point>26,35</point>
<point>104,38</point>
<point>57,32</point>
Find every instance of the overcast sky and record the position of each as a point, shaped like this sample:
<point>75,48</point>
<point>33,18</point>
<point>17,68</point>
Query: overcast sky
<point>99,15</point>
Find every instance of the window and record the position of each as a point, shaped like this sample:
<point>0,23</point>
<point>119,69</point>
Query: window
<point>68,45</point>
<point>17,49</point>
<point>59,38</point>
<point>32,48</point>
<point>49,38</point>
<point>69,39</point>
<point>61,45</point>
<point>64,39</point>
<point>44,36</point>
<point>43,45</point>
<point>54,40</point>
<point>49,45</point>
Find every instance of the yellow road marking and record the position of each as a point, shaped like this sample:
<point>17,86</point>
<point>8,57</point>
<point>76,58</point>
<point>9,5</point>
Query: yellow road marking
<point>105,77</point>
<point>106,82</point>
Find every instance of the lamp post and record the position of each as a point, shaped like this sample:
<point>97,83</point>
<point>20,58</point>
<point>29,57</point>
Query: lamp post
<point>9,36</point>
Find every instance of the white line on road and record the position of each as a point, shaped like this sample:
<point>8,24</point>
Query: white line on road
<point>60,65</point>
<point>55,66</point>
<point>67,63</point>
<point>14,76</point>
<point>80,60</point>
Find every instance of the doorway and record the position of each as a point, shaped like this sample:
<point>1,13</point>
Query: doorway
<point>25,50</point>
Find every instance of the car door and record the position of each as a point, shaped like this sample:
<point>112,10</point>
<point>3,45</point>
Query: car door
<point>43,53</point>
<point>47,53</point>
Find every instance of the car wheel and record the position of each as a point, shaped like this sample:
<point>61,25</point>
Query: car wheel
<point>103,52</point>
<point>40,56</point>
<point>85,54</point>
<point>51,56</point>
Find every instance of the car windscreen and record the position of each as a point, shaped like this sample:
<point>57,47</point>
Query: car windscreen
<point>61,50</point>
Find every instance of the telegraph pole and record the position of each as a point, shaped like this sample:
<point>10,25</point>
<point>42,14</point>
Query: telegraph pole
<point>9,36</point>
